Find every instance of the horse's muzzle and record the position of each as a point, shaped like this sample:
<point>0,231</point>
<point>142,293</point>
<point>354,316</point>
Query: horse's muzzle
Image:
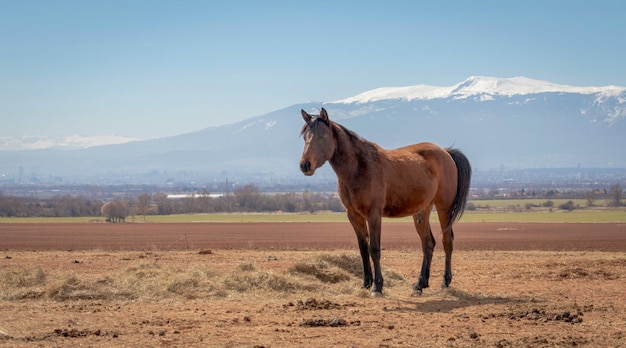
<point>305,167</point>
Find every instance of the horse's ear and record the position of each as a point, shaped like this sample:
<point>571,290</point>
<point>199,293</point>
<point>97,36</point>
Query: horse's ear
<point>307,118</point>
<point>324,115</point>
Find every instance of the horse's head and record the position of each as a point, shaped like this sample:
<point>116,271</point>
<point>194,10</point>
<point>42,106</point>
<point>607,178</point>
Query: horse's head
<point>319,143</point>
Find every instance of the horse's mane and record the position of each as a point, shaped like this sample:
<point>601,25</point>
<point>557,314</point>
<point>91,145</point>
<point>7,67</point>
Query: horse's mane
<point>312,126</point>
<point>355,140</point>
<point>351,134</point>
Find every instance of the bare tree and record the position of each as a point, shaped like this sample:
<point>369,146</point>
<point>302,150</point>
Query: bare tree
<point>616,193</point>
<point>115,211</point>
<point>204,201</point>
<point>143,204</point>
<point>590,196</point>
<point>163,204</point>
<point>247,198</point>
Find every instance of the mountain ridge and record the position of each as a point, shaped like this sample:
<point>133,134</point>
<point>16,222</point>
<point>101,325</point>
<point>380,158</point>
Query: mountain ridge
<point>482,88</point>
<point>476,85</point>
<point>539,130</point>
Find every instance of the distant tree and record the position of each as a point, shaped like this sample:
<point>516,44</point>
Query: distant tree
<point>569,205</point>
<point>11,206</point>
<point>163,204</point>
<point>616,194</point>
<point>590,197</point>
<point>143,204</point>
<point>188,205</point>
<point>307,204</point>
<point>334,204</point>
<point>247,198</point>
<point>204,201</point>
<point>288,202</point>
<point>115,211</point>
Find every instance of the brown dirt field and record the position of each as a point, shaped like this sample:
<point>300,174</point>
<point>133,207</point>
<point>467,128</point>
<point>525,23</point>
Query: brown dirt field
<point>299,236</point>
<point>286,284</point>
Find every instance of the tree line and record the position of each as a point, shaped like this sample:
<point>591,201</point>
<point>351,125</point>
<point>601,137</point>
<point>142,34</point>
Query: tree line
<point>245,199</point>
<point>248,198</point>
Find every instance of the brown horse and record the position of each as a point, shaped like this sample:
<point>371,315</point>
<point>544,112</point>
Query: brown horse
<point>374,182</point>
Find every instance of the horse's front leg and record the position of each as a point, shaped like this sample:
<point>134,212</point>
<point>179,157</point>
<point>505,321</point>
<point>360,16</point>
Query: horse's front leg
<point>374,223</point>
<point>360,228</point>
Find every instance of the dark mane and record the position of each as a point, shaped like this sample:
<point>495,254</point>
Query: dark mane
<point>351,134</point>
<point>355,140</point>
<point>358,141</point>
<point>313,124</point>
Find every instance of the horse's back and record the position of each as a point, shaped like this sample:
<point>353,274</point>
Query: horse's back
<point>426,154</point>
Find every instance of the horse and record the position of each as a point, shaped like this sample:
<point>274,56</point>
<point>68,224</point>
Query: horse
<point>374,182</point>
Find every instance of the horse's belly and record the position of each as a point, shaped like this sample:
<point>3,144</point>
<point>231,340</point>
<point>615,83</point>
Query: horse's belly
<point>397,211</point>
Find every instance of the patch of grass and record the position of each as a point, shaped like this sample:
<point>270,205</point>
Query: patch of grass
<point>74,288</point>
<point>49,220</point>
<point>22,284</point>
<point>336,268</point>
<point>350,263</point>
<point>193,283</point>
<point>150,281</point>
<point>24,278</point>
<point>250,217</point>
<point>497,211</point>
<point>247,279</point>
<point>330,268</point>
<point>321,272</point>
<point>521,203</point>
<point>187,218</point>
<point>246,266</point>
<point>556,216</point>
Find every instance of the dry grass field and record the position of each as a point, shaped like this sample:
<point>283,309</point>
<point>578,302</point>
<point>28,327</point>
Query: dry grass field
<point>515,285</point>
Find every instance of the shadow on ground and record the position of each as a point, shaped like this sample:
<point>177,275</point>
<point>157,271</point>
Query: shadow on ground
<point>447,300</point>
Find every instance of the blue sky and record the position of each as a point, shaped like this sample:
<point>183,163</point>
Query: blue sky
<point>149,69</point>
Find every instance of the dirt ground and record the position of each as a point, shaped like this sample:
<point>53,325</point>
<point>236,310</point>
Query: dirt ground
<point>303,236</point>
<point>291,284</point>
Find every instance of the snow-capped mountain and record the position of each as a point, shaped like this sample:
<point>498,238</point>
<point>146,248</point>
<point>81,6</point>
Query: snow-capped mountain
<point>483,88</point>
<point>516,123</point>
<point>611,100</point>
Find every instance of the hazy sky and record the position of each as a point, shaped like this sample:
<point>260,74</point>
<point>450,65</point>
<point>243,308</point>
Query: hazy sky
<point>155,68</point>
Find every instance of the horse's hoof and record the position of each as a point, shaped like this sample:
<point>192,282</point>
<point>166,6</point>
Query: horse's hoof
<point>417,292</point>
<point>377,294</point>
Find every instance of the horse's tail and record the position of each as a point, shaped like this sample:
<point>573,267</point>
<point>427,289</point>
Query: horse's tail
<point>464,176</point>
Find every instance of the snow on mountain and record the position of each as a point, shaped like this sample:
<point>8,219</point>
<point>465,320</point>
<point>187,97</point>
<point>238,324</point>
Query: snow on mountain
<point>484,88</point>
<point>424,92</point>
<point>67,142</point>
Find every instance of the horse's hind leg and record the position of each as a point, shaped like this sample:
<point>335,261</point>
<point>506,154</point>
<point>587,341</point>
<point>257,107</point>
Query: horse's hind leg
<point>447,239</point>
<point>422,225</point>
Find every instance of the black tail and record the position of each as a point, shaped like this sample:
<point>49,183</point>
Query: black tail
<point>464,176</point>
